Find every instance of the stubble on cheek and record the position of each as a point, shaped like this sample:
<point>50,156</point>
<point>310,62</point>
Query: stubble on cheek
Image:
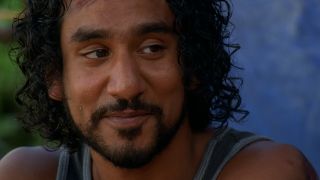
<point>75,113</point>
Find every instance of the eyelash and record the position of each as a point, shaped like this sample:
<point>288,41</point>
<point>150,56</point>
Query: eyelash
<point>155,46</point>
<point>105,54</point>
<point>154,51</point>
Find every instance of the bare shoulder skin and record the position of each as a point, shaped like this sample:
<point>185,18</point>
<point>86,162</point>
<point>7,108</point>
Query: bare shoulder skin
<point>267,160</point>
<point>32,163</point>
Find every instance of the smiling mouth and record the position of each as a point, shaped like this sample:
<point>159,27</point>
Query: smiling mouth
<point>127,118</point>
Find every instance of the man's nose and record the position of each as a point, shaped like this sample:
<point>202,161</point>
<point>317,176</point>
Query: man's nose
<point>125,80</point>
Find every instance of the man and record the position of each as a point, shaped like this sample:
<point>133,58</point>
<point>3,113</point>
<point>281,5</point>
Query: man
<point>136,89</point>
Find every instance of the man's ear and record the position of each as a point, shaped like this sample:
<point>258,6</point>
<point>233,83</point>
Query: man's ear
<point>55,90</point>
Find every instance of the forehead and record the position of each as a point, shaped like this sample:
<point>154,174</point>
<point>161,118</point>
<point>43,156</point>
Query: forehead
<point>113,13</point>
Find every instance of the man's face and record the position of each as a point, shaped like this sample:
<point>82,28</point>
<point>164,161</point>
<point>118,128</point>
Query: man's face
<point>122,80</point>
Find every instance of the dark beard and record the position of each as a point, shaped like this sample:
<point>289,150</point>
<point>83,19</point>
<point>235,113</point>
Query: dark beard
<point>128,156</point>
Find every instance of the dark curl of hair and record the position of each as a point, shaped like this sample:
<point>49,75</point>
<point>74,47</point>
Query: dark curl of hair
<point>205,57</point>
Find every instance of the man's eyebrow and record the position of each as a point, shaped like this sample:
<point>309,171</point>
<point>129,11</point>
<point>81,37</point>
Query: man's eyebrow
<point>87,34</point>
<point>153,27</point>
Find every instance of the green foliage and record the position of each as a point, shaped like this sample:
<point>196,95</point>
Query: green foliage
<point>11,4</point>
<point>11,132</point>
<point>11,7</point>
<point>9,77</point>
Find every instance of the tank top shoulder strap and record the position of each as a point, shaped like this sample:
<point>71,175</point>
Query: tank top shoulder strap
<point>63,165</point>
<point>221,149</point>
<point>75,166</point>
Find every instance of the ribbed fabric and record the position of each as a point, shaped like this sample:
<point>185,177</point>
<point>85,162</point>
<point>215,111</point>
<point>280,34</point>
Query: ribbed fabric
<point>222,149</point>
<point>76,166</point>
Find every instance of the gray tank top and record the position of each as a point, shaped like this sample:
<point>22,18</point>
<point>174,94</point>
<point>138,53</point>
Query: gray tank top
<point>220,150</point>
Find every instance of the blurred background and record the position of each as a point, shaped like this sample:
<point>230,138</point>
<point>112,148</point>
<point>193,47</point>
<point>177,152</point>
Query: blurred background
<point>280,54</point>
<point>11,133</point>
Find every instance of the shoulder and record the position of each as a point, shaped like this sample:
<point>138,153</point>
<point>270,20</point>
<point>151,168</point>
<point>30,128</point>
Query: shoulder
<point>29,163</point>
<point>268,160</point>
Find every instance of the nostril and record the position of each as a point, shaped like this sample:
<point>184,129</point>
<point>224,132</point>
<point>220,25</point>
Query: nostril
<point>125,88</point>
<point>125,79</point>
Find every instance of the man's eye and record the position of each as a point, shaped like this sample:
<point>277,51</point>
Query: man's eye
<point>97,54</point>
<point>152,49</point>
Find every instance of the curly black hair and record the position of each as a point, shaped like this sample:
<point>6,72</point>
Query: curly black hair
<point>203,29</point>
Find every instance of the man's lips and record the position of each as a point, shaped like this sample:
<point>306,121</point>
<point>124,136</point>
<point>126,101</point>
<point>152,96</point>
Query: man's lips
<point>127,118</point>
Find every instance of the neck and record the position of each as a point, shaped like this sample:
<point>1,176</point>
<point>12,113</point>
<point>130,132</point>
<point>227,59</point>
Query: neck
<point>179,160</point>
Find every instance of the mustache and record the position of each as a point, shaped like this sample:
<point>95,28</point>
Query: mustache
<point>123,104</point>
